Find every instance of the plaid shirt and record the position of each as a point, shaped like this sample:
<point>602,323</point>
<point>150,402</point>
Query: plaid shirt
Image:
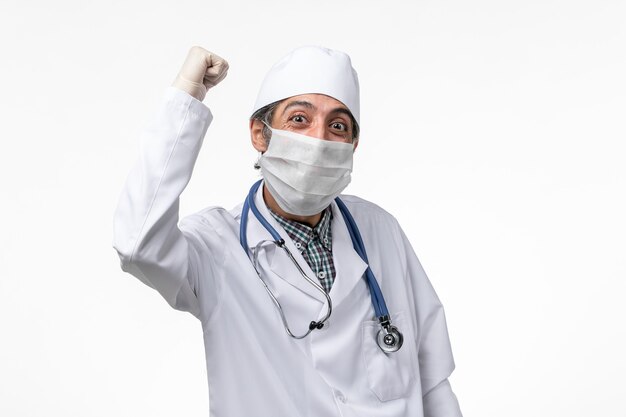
<point>315,245</point>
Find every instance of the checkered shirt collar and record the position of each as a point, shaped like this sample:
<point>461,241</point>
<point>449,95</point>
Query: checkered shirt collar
<point>299,232</point>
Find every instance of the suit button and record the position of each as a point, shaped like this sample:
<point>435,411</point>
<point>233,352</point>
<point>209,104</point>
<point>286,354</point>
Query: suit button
<point>340,397</point>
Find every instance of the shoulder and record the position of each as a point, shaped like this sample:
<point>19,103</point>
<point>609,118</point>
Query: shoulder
<point>366,212</point>
<point>364,207</point>
<point>213,217</point>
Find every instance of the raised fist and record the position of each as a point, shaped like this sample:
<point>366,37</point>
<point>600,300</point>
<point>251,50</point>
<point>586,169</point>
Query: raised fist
<point>202,70</point>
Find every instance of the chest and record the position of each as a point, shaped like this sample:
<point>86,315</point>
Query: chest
<point>248,328</point>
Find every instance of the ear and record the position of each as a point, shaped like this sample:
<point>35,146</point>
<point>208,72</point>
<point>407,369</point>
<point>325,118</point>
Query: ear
<point>256,135</point>
<point>355,143</point>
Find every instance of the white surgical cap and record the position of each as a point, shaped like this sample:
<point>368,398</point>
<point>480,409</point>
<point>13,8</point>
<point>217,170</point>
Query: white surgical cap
<point>312,70</point>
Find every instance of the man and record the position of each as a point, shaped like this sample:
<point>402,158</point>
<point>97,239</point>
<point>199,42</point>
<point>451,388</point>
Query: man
<point>272,349</point>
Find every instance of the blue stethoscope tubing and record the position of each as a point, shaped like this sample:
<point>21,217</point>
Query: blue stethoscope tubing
<point>378,301</point>
<point>389,338</point>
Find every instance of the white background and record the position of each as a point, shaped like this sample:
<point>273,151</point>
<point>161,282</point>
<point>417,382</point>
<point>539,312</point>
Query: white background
<point>493,130</point>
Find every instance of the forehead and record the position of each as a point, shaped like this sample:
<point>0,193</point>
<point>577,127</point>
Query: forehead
<point>320,102</point>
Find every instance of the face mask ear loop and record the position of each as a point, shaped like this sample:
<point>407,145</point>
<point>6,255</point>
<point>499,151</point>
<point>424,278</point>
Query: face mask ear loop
<point>267,132</point>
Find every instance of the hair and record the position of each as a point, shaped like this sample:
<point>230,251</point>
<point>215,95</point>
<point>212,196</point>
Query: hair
<point>265,114</point>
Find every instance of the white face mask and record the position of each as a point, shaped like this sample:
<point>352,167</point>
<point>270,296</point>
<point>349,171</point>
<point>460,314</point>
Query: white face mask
<point>304,174</point>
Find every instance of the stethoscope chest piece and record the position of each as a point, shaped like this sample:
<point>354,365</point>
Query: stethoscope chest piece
<point>390,339</point>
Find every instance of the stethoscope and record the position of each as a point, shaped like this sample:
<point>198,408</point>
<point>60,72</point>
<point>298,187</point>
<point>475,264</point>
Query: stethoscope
<point>389,337</point>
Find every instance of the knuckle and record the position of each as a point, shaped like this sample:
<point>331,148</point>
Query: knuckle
<point>198,51</point>
<point>223,64</point>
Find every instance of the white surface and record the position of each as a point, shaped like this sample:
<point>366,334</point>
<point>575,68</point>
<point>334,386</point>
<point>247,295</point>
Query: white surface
<point>501,124</point>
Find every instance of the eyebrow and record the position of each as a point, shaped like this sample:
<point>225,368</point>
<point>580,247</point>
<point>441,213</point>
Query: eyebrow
<point>342,111</point>
<point>298,103</point>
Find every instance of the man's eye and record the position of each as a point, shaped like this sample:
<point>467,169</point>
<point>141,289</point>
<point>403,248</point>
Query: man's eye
<point>340,126</point>
<point>298,118</point>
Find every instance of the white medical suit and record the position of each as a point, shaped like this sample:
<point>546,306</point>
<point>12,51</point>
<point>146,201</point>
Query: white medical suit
<point>254,368</point>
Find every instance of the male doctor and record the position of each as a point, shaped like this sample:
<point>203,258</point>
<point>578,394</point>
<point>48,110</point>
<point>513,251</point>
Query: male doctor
<point>249,294</point>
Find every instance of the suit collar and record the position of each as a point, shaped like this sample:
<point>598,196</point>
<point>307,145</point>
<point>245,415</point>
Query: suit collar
<point>348,264</point>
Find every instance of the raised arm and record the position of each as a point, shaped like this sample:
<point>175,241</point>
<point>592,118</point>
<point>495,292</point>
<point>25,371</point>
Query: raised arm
<point>146,234</point>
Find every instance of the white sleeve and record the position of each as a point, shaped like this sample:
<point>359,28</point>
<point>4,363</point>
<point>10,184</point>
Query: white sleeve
<point>147,238</point>
<point>441,402</point>
<point>436,362</point>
